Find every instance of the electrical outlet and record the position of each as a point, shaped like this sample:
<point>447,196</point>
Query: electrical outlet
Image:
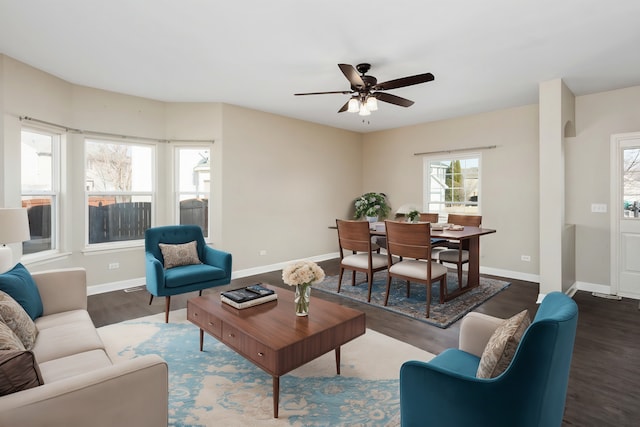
<point>263,252</point>
<point>526,258</point>
<point>114,265</point>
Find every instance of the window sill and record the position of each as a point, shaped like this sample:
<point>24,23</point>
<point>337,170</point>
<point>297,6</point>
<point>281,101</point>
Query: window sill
<point>112,247</point>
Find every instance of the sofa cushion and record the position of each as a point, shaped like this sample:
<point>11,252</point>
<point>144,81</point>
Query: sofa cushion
<point>65,340</point>
<point>190,274</point>
<point>18,283</point>
<point>502,345</point>
<point>64,318</point>
<point>8,339</point>
<point>18,371</point>
<point>14,316</point>
<point>182,254</point>
<point>76,364</point>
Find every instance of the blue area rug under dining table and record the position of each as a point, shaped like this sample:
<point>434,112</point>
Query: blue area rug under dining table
<point>441,315</point>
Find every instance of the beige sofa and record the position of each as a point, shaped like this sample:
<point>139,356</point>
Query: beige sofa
<point>82,386</point>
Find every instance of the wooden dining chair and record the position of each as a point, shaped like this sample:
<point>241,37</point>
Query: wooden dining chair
<point>429,217</point>
<point>457,252</point>
<point>409,245</point>
<point>357,252</point>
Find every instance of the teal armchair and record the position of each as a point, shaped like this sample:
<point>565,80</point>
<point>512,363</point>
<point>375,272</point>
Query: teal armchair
<point>531,392</point>
<point>214,268</point>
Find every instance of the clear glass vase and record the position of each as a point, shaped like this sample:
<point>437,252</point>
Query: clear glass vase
<point>302,299</point>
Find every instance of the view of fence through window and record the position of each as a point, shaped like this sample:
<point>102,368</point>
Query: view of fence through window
<point>39,188</point>
<point>452,185</point>
<point>631,182</point>
<point>193,186</point>
<point>119,187</point>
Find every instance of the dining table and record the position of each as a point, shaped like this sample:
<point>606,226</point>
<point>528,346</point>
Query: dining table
<point>468,238</point>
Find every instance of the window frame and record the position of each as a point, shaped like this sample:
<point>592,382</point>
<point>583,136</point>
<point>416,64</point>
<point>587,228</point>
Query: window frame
<point>444,211</point>
<point>54,193</point>
<point>89,193</point>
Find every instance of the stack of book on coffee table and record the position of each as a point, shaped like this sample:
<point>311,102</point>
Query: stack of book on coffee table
<point>248,296</point>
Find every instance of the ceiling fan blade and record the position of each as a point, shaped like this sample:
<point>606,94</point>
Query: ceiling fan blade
<point>344,108</point>
<point>393,99</point>
<point>352,75</point>
<point>344,92</point>
<point>404,81</point>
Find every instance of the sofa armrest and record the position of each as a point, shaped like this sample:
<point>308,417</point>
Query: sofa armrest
<point>62,290</point>
<point>130,393</point>
<point>475,331</point>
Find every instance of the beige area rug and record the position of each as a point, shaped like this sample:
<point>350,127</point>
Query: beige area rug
<point>219,387</point>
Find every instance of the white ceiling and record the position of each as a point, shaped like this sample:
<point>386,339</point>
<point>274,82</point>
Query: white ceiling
<point>485,55</point>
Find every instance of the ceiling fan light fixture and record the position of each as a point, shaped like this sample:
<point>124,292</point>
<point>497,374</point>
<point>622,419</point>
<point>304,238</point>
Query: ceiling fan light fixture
<point>354,105</point>
<point>372,103</point>
<point>364,111</point>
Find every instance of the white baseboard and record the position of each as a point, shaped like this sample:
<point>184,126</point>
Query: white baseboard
<point>140,281</point>
<point>509,274</point>
<point>593,287</point>
<point>115,286</point>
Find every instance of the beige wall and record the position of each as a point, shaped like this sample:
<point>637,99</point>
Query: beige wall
<point>279,182</point>
<point>509,193</point>
<point>284,182</point>
<point>598,116</point>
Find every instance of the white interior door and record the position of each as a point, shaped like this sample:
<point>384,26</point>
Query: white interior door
<point>625,215</point>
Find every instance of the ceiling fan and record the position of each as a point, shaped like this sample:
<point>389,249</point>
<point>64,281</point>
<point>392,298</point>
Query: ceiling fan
<point>366,91</point>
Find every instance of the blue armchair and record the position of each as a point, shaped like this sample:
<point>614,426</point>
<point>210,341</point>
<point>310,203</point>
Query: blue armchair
<point>445,392</point>
<point>214,270</point>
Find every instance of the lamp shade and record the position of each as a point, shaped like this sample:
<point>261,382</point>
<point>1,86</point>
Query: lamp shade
<point>14,225</point>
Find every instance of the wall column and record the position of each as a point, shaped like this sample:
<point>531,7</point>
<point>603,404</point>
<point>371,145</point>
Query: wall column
<point>557,117</point>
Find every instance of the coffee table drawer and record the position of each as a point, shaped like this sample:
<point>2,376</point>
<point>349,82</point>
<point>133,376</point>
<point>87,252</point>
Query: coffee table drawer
<point>248,347</point>
<point>204,320</point>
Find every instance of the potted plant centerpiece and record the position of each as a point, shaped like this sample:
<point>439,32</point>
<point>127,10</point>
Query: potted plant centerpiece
<point>413,215</point>
<point>372,206</point>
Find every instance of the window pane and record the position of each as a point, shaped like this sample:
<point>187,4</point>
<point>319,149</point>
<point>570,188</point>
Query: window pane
<point>194,183</point>
<point>40,221</point>
<point>37,164</point>
<point>118,167</point>
<point>631,179</point>
<point>194,173</point>
<point>452,185</point>
<point>115,218</point>
<point>39,188</point>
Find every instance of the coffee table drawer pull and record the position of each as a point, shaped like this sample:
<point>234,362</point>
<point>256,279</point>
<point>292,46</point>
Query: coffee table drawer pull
<point>260,354</point>
<point>232,335</point>
<point>211,324</point>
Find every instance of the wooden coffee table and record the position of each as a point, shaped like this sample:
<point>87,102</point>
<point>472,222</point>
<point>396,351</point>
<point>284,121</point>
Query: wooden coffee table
<point>272,337</point>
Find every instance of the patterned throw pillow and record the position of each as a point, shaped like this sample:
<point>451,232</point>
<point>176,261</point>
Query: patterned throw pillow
<point>9,340</point>
<point>18,371</point>
<point>177,255</point>
<point>502,345</point>
<point>13,315</point>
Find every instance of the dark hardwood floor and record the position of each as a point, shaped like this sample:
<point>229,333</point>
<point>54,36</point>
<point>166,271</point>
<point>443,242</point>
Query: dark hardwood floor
<point>604,385</point>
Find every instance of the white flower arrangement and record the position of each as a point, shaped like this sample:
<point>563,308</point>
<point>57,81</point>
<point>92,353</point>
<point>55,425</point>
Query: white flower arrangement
<point>302,273</point>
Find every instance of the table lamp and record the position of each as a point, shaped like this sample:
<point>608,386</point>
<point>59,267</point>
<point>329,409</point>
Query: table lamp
<point>14,228</point>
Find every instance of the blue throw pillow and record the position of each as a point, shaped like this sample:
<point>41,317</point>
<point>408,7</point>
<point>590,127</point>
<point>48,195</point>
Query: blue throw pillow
<point>19,284</point>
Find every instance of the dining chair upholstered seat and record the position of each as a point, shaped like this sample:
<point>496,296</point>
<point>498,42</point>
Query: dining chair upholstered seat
<point>456,253</point>
<point>409,258</point>
<point>358,253</point>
